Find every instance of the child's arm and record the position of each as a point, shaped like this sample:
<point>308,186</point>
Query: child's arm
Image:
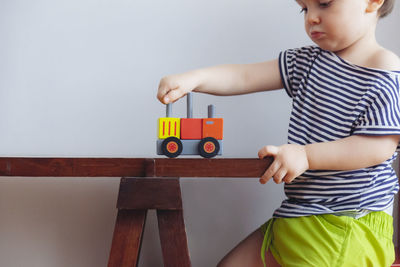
<point>222,80</point>
<point>354,152</point>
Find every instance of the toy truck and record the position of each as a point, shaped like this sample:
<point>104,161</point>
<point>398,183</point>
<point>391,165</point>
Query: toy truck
<point>190,136</point>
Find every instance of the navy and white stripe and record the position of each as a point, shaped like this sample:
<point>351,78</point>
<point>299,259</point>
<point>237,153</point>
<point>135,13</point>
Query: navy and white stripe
<point>333,99</point>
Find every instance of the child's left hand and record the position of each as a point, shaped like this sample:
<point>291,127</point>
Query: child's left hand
<point>290,161</point>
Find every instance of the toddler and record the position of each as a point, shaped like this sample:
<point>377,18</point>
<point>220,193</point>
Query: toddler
<point>343,134</point>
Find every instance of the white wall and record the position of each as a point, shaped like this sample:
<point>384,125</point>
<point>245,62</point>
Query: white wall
<point>79,78</point>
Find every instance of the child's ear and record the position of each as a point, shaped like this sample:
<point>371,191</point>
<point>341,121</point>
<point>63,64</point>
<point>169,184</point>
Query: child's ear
<point>374,5</point>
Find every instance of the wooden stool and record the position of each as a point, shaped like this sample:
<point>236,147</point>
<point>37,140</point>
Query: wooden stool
<point>136,196</point>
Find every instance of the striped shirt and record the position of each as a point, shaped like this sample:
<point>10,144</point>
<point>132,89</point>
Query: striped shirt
<point>334,99</point>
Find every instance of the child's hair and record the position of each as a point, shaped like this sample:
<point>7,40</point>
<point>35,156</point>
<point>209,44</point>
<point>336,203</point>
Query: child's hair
<point>386,8</point>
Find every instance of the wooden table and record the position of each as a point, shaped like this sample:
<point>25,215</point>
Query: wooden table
<point>146,183</point>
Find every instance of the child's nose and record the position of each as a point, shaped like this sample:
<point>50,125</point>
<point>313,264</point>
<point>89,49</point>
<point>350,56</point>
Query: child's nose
<point>313,18</point>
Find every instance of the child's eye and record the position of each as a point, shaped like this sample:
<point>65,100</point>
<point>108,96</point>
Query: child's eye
<point>325,4</point>
<point>304,9</point>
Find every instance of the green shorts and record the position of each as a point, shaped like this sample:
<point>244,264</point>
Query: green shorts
<point>330,241</point>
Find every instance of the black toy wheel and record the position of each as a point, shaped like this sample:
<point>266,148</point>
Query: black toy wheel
<point>172,147</point>
<point>208,147</point>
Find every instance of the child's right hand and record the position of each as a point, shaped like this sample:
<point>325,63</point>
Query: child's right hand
<point>173,87</point>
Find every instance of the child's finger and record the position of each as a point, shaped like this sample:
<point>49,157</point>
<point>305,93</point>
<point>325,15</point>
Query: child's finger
<point>270,172</point>
<point>173,95</point>
<point>280,175</point>
<point>163,88</point>
<point>161,94</point>
<point>289,177</point>
<point>268,151</point>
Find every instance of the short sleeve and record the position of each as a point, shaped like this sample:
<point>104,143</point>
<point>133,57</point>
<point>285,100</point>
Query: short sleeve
<point>294,66</point>
<point>381,115</point>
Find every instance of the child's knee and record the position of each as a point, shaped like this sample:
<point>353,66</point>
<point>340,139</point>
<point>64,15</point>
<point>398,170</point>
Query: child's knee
<point>232,260</point>
<point>224,262</point>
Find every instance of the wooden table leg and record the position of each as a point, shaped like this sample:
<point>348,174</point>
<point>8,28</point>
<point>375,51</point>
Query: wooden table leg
<point>136,196</point>
<point>173,238</point>
<point>127,238</point>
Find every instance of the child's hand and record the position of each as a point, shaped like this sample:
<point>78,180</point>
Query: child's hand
<point>173,87</point>
<point>289,162</point>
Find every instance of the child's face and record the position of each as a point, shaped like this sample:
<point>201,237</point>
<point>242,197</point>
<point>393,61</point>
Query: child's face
<point>335,24</point>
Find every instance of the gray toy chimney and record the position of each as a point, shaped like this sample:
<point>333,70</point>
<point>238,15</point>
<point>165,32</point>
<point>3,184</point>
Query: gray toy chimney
<point>189,108</point>
<point>211,111</point>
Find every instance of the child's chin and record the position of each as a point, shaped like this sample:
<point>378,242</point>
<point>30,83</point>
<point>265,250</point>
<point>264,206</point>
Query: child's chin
<point>327,47</point>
